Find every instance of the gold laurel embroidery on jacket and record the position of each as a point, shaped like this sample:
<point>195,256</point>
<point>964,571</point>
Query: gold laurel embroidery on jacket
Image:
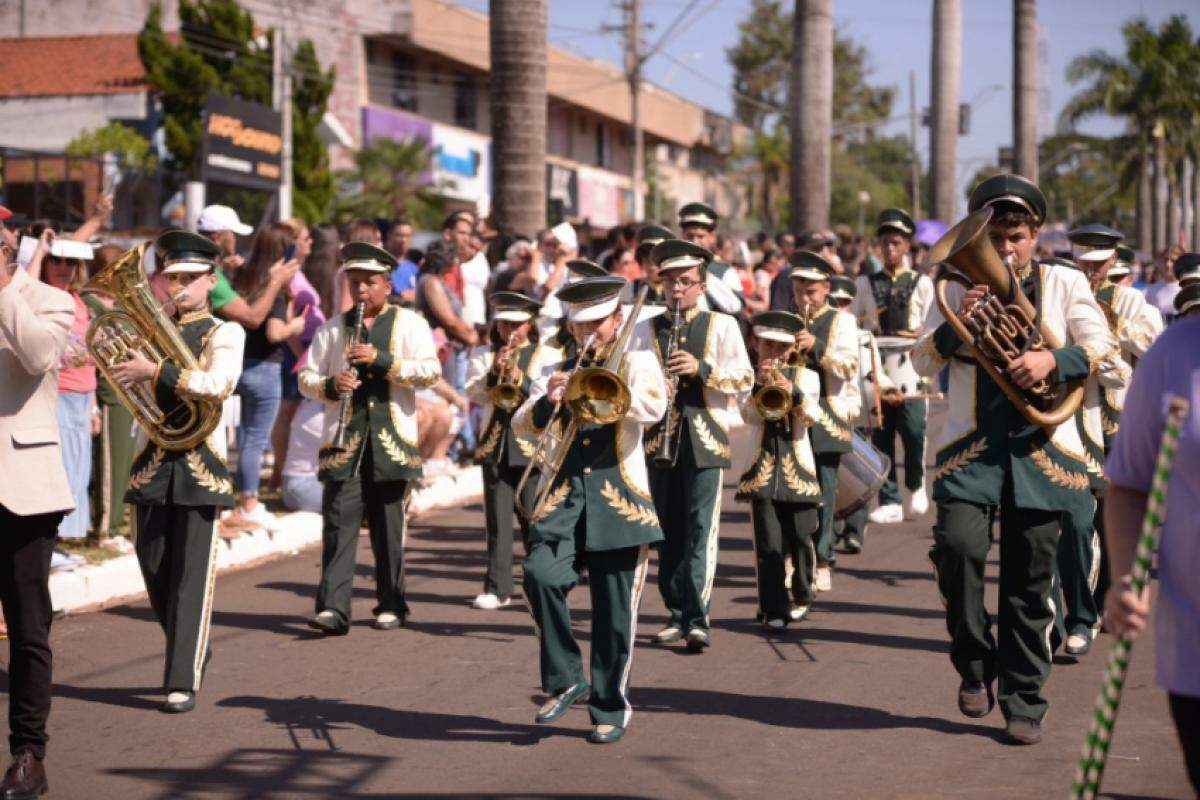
<point>1097,355</point>
<point>140,478</point>
<point>927,349</point>
<point>708,440</point>
<point>1059,475</point>
<point>312,382</point>
<point>392,448</point>
<point>794,481</point>
<point>341,458</point>
<point>630,511</point>
<point>524,446</point>
<point>960,459</point>
<point>1094,467</point>
<point>206,478</point>
<point>489,444</point>
<point>835,430</point>
<point>723,382</point>
<point>553,501</point>
<point>752,483</point>
<point>651,444</point>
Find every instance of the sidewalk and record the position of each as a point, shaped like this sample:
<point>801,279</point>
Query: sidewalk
<point>95,586</point>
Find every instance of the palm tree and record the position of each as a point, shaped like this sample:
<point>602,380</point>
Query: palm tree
<point>391,178</point>
<point>943,133</point>
<point>517,90</point>
<point>1025,87</point>
<point>811,115</point>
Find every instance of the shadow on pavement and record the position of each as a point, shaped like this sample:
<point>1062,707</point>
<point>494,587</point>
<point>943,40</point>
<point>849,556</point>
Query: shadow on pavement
<point>285,624</point>
<point>142,699</point>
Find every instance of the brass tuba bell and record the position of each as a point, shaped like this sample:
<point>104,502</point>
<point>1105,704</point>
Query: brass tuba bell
<point>141,325</point>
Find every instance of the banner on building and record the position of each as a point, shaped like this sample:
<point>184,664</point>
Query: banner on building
<point>242,143</point>
<point>599,197</point>
<point>562,191</point>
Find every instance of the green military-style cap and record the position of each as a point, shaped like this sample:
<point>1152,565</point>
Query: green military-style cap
<point>366,257</point>
<point>1188,298</point>
<point>698,214</point>
<point>809,266</point>
<point>647,237</point>
<point>1009,192</point>
<point>591,299</point>
<point>842,288</point>
<point>582,268</point>
<point>1095,242</point>
<point>895,219</point>
<point>514,306</point>
<point>776,326</point>
<point>183,251</point>
<point>676,254</point>
<point>1187,268</point>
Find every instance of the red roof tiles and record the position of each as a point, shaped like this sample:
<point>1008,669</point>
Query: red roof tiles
<point>70,65</point>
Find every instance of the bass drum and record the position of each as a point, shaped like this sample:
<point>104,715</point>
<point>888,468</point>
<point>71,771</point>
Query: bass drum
<point>861,473</point>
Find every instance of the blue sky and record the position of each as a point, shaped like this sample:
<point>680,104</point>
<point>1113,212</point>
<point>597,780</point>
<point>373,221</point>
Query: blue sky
<point>897,35</point>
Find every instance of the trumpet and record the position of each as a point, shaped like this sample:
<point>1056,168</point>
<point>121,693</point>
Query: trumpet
<point>506,394</point>
<point>773,401</point>
<point>346,399</point>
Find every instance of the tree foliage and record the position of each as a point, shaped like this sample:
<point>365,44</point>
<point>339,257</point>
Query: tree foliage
<point>390,178</point>
<point>115,137</point>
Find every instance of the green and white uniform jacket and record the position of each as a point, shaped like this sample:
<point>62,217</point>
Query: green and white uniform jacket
<point>1138,324</point>
<point>498,441</point>
<point>834,357</point>
<point>892,305</point>
<point>706,404</point>
<point>199,476</point>
<point>384,407</point>
<point>782,466</point>
<point>984,435</point>
<point>605,468</point>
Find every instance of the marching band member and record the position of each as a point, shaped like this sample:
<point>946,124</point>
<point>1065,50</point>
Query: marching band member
<point>368,383</point>
<point>1135,324</point>
<point>505,371</point>
<point>711,373</point>
<point>781,482</point>
<point>597,513</point>
<point>895,302</point>
<point>724,293</point>
<point>990,457</point>
<point>647,237</point>
<point>177,493</point>
<point>558,335</point>
<point>830,347</point>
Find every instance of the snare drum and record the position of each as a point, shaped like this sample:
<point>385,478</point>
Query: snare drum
<point>861,473</point>
<point>895,355</point>
<point>867,381</point>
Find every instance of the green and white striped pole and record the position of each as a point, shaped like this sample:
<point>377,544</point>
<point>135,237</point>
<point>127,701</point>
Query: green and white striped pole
<point>1104,715</point>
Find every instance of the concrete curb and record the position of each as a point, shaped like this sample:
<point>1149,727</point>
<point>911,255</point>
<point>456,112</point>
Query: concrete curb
<point>95,586</point>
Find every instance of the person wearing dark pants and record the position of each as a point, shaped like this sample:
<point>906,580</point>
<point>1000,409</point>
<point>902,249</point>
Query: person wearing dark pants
<point>176,490</point>
<point>829,344</point>
<point>705,356</point>
<point>35,319</point>
<point>992,459</point>
<point>499,377</point>
<point>366,366</point>
<point>596,512</point>
<point>781,483</point>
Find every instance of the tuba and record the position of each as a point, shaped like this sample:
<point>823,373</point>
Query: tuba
<point>773,401</point>
<point>141,325</point>
<point>1000,327</point>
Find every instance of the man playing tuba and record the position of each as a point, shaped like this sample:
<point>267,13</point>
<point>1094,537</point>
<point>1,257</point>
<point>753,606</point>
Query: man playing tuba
<point>989,457</point>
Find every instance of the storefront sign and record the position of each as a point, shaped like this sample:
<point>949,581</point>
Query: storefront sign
<point>562,190</point>
<point>599,201</point>
<point>242,144</point>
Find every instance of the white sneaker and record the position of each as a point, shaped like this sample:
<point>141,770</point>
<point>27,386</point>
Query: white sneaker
<point>260,517</point>
<point>775,624</point>
<point>798,613</point>
<point>824,579</point>
<point>489,602</point>
<point>916,503</point>
<point>887,515</point>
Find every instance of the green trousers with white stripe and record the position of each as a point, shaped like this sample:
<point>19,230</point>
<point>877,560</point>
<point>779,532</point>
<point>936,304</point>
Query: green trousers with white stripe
<point>688,501</point>
<point>615,581</point>
<point>1020,654</point>
<point>1078,565</point>
<point>176,549</point>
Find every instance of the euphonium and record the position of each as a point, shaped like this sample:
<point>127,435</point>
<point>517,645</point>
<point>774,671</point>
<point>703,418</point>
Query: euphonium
<point>140,325</point>
<point>772,400</point>
<point>506,394</point>
<point>1000,327</point>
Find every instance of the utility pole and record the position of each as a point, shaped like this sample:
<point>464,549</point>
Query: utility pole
<point>944,130</point>
<point>281,91</point>
<point>1025,88</point>
<point>915,167</point>
<point>633,73</point>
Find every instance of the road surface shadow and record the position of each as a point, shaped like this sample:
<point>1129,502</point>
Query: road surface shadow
<point>142,699</point>
<point>285,624</point>
<point>793,712</point>
<point>324,715</point>
<point>806,632</point>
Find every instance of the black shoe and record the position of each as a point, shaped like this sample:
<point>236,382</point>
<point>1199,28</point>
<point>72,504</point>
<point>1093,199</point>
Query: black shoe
<point>562,701</point>
<point>1023,730</point>
<point>613,734</point>
<point>25,778</point>
<point>975,698</point>
<point>697,640</point>
<point>328,623</point>
<point>179,705</point>
<point>853,545</point>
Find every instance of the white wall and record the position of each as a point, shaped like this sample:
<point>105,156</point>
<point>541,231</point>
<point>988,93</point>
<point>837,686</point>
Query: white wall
<point>49,123</point>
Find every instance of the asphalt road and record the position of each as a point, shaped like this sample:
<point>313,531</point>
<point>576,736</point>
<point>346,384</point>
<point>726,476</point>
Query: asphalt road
<point>858,701</point>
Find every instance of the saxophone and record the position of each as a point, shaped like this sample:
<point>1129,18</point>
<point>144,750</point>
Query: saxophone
<point>141,325</point>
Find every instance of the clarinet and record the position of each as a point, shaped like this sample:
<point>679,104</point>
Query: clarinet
<point>346,399</point>
<point>667,449</point>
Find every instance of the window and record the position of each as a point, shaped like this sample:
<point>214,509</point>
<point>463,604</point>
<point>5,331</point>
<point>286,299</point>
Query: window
<point>603,156</point>
<point>404,81</point>
<point>464,101</point>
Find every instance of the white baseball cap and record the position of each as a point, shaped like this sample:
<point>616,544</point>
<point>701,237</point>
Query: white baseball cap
<point>221,218</point>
